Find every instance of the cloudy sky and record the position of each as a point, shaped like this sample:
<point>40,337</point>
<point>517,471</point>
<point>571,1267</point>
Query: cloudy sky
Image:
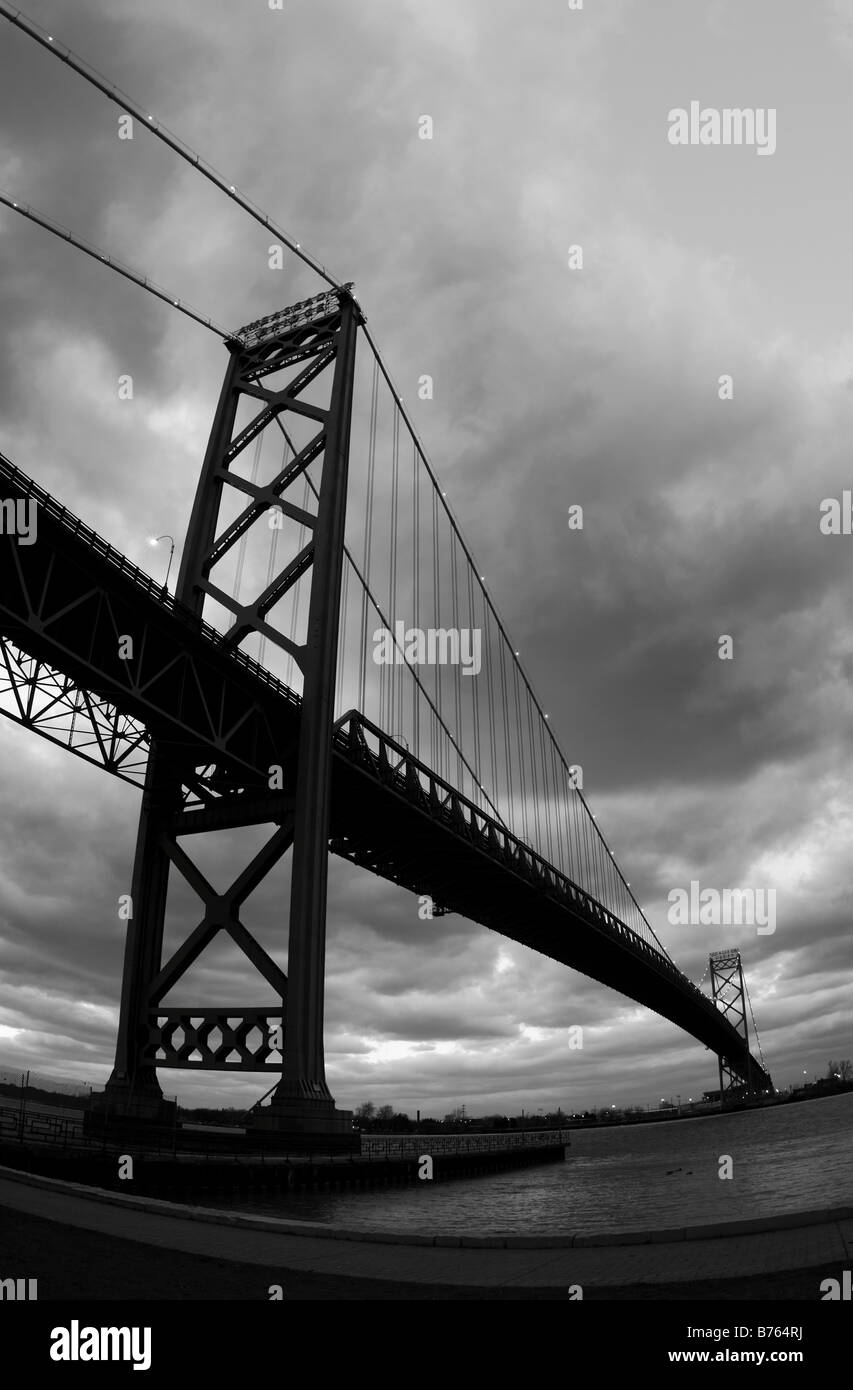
<point>553,387</point>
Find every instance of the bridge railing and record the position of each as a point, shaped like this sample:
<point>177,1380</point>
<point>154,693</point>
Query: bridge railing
<point>446,803</point>
<point>416,1145</point>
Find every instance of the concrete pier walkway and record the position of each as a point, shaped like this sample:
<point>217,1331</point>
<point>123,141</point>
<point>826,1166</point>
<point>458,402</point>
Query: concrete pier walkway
<point>809,1241</point>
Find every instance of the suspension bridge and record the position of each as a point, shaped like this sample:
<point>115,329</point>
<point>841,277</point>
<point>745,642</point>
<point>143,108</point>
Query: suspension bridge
<point>332,666</point>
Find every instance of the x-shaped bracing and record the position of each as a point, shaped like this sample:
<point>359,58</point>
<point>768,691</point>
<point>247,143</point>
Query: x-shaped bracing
<point>221,912</point>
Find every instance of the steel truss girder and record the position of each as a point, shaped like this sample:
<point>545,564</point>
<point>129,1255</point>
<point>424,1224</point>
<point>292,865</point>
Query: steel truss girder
<point>52,705</point>
<point>69,600</point>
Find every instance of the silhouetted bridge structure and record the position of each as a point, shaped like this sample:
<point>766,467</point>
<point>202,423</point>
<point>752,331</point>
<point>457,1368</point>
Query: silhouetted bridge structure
<point>64,603</point>
<point>333,665</point>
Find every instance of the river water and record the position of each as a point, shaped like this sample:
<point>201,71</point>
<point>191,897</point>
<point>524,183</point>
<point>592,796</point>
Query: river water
<point>626,1178</point>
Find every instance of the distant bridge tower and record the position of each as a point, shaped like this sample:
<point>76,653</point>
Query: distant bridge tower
<point>729,994</point>
<point>273,364</point>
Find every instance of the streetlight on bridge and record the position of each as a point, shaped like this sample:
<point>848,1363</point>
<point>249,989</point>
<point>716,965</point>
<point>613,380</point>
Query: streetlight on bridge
<point>155,540</point>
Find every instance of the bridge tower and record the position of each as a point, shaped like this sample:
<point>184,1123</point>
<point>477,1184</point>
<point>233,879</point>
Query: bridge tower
<point>729,994</point>
<point>273,363</point>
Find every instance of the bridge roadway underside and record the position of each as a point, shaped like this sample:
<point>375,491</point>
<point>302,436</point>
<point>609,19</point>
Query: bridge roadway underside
<point>386,828</point>
<point>68,599</point>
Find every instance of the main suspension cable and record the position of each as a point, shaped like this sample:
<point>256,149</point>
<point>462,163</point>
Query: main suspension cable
<point>88,249</point>
<point>162,132</point>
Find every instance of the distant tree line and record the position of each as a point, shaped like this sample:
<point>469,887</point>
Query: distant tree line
<point>369,1118</point>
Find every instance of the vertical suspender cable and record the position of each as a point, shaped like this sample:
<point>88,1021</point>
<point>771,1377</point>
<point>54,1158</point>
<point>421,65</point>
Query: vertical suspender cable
<point>392,559</point>
<point>507,742</point>
<point>457,684</point>
<point>368,537</point>
<point>416,586</point>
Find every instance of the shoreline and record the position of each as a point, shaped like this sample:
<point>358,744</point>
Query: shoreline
<point>317,1230</point>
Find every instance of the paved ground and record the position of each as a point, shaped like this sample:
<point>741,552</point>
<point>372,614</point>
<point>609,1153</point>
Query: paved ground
<point>72,1263</point>
<point>78,1246</point>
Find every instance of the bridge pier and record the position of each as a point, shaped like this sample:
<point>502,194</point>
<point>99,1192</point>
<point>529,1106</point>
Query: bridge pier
<point>133,1088</point>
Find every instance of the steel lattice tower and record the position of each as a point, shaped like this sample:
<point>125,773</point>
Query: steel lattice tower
<point>729,994</point>
<point>272,364</point>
